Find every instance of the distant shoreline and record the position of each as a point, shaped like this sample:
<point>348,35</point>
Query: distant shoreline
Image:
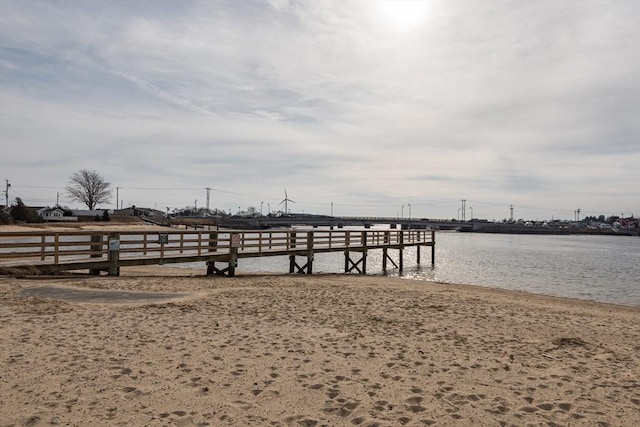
<point>523,229</point>
<point>477,227</point>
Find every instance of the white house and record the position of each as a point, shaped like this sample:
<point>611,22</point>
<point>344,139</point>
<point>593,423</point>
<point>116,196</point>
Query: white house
<point>55,214</point>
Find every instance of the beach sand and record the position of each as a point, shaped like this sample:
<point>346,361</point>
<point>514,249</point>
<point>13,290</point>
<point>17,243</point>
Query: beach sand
<point>173,347</point>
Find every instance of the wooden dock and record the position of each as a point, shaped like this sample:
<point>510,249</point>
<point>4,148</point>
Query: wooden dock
<point>96,251</point>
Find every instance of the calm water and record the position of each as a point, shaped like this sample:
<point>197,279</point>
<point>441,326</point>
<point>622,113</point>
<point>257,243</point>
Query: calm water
<point>598,268</point>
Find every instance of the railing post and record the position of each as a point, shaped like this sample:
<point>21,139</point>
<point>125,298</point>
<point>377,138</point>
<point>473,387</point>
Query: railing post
<point>213,241</point>
<point>346,261</point>
<point>433,248</point>
<point>114,254</point>
<point>213,247</point>
<point>96,250</point>
<point>56,248</point>
<point>401,252</point>
<point>292,240</point>
<point>43,242</point>
<point>292,264</point>
<point>233,253</point>
<point>310,252</point>
<point>363,239</point>
<point>385,255</point>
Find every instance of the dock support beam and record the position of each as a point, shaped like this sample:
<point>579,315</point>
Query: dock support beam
<point>232,263</point>
<point>433,248</point>
<point>229,270</point>
<point>386,257</point>
<point>310,252</point>
<point>401,253</point>
<point>360,266</point>
<point>294,267</point>
<point>307,268</point>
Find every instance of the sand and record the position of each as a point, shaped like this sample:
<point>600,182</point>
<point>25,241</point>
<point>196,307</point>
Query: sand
<point>325,350</point>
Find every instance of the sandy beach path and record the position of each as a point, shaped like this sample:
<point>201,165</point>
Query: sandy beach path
<point>311,351</point>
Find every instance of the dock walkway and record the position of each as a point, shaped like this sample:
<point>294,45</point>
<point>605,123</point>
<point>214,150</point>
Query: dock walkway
<point>53,251</point>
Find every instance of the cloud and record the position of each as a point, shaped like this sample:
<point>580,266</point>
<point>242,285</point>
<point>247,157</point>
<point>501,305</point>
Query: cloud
<point>531,103</point>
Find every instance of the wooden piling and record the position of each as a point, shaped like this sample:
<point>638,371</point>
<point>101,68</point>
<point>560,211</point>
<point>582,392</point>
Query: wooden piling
<point>401,253</point>
<point>233,254</point>
<point>433,248</point>
<point>114,254</point>
<point>385,255</point>
<point>96,250</point>
<point>363,241</point>
<point>310,252</point>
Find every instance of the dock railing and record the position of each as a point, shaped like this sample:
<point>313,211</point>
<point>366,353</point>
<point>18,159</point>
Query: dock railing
<point>100,250</point>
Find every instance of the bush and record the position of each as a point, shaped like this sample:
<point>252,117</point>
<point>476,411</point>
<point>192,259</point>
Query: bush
<point>21,212</point>
<point>4,217</point>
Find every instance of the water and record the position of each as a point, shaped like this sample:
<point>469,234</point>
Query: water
<point>597,268</point>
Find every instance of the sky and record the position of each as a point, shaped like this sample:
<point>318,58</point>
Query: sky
<point>356,108</point>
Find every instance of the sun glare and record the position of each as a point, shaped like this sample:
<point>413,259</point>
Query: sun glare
<point>402,15</point>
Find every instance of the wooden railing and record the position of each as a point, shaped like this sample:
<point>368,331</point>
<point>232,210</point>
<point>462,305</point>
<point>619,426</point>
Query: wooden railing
<point>82,247</point>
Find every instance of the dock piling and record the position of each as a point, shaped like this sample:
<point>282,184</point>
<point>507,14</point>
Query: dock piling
<point>114,254</point>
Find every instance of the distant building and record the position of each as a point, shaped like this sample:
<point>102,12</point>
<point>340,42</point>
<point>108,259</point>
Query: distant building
<point>89,215</point>
<point>141,212</point>
<point>56,214</point>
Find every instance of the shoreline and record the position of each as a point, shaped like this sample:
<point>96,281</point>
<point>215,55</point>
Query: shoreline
<point>175,271</point>
<point>313,350</point>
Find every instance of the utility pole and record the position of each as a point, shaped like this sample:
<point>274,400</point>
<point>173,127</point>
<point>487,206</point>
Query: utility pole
<point>6,192</point>
<point>117,196</point>
<point>208,192</point>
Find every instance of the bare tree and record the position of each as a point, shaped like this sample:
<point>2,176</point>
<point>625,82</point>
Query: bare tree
<point>89,188</point>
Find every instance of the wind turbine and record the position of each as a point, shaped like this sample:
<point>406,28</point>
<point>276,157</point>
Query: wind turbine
<point>285,201</point>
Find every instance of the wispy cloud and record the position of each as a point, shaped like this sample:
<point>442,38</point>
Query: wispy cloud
<point>535,103</point>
